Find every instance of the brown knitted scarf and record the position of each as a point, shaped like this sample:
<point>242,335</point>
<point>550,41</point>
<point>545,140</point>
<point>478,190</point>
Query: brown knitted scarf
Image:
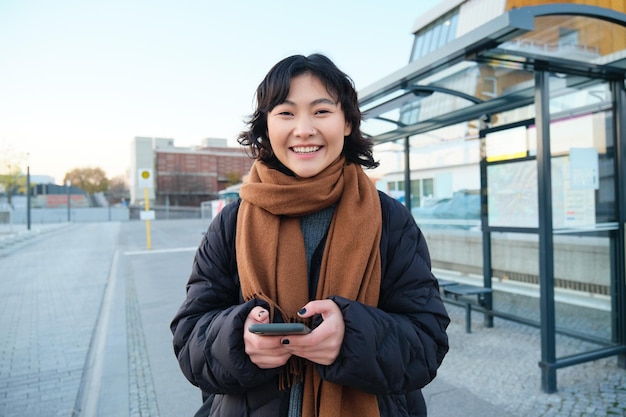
<point>272,263</point>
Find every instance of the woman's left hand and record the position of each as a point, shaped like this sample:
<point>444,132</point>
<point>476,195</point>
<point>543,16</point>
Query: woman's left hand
<point>323,344</point>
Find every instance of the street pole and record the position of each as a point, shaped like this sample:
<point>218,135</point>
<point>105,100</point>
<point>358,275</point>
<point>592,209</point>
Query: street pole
<point>28,197</point>
<point>146,197</point>
<point>67,186</point>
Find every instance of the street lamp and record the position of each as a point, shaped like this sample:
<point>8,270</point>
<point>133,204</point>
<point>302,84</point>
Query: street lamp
<point>27,197</point>
<point>67,186</point>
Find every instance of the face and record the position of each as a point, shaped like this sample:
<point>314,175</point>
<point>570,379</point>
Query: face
<point>307,131</point>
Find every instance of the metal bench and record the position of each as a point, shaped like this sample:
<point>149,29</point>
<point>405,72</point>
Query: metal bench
<point>444,283</point>
<point>463,290</point>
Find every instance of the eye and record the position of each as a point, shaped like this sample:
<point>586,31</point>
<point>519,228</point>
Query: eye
<point>322,111</point>
<point>282,112</point>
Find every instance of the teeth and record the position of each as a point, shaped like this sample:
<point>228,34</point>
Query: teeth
<point>306,149</point>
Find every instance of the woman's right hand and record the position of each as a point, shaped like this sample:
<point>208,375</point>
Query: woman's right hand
<point>264,351</point>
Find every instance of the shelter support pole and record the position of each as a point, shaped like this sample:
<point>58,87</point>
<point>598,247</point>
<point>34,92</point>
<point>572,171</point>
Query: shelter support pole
<point>407,173</point>
<point>546,245</point>
<point>618,296</point>
<point>484,221</point>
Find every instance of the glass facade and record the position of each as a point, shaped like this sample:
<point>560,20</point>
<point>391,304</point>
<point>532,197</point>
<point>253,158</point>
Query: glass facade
<point>575,38</point>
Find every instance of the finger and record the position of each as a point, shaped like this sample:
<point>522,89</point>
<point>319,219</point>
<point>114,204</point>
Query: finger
<point>266,351</point>
<point>323,307</point>
<point>259,315</point>
<point>323,353</point>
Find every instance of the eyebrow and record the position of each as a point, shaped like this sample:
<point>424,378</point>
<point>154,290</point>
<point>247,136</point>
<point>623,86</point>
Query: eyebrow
<point>314,102</point>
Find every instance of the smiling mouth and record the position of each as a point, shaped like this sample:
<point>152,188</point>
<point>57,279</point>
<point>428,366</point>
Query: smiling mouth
<point>305,149</point>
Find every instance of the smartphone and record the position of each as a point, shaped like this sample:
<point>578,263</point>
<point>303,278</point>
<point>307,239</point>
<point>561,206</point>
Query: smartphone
<point>279,329</point>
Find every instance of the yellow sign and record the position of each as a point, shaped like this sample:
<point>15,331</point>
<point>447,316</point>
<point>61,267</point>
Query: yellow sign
<point>144,178</point>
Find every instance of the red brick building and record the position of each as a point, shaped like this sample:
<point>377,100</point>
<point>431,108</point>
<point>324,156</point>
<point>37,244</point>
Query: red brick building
<point>188,176</point>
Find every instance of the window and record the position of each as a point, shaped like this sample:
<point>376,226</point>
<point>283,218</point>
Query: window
<point>416,193</point>
<point>568,37</point>
<point>420,189</point>
<point>451,25</point>
<point>435,35</point>
<point>490,87</point>
<point>417,47</point>
<point>428,189</point>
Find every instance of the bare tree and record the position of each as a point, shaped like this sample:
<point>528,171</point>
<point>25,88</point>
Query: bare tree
<point>12,179</point>
<point>89,179</point>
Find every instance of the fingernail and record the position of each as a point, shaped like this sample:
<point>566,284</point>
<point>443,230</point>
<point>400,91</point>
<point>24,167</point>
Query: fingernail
<point>302,311</point>
<point>285,341</point>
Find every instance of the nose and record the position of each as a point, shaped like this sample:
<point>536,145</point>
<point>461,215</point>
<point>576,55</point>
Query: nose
<point>304,128</point>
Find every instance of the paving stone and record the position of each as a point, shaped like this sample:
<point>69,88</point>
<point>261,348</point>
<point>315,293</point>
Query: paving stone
<point>53,287</point>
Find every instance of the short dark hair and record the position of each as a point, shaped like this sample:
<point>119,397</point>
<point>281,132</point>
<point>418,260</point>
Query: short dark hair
<point>274,90</point>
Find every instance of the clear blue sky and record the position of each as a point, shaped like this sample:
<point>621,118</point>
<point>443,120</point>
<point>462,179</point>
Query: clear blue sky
<point>80,79</point>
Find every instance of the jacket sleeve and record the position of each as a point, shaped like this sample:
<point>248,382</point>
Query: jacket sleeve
<point>398,346</point>
<point>208,327</point>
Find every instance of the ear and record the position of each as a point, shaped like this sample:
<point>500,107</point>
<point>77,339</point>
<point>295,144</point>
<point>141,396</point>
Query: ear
<point>347,130</point>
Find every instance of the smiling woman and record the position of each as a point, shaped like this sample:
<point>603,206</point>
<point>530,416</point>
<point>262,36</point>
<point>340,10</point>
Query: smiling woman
<point>311,241</point>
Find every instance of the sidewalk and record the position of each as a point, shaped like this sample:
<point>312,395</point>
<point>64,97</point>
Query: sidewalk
<point>85,323</point>
<point>495,372</point>
<point>51,288</point>
<point>13,236</point>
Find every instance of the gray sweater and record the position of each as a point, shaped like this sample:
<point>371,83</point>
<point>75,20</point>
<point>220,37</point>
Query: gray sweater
<point>314,228</point>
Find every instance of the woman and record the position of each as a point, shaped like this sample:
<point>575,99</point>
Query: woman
<point>311,240</point>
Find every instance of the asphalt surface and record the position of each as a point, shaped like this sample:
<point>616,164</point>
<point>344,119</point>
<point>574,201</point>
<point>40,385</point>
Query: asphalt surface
<point>85,316</point>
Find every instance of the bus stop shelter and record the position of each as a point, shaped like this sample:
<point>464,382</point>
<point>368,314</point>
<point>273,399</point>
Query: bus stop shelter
<point>543,90</point>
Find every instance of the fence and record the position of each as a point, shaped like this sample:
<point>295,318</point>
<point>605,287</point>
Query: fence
<point>60,215</point>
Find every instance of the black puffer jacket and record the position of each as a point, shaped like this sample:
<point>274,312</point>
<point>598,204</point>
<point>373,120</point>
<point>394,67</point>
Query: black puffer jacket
<point>391,351</point>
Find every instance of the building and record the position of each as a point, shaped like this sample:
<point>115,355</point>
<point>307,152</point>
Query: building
<point>181,176</point>
<point>45,193</point>
<point>523,103</point>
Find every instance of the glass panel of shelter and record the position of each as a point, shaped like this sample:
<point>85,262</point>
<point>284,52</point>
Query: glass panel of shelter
<point>584,210</point>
